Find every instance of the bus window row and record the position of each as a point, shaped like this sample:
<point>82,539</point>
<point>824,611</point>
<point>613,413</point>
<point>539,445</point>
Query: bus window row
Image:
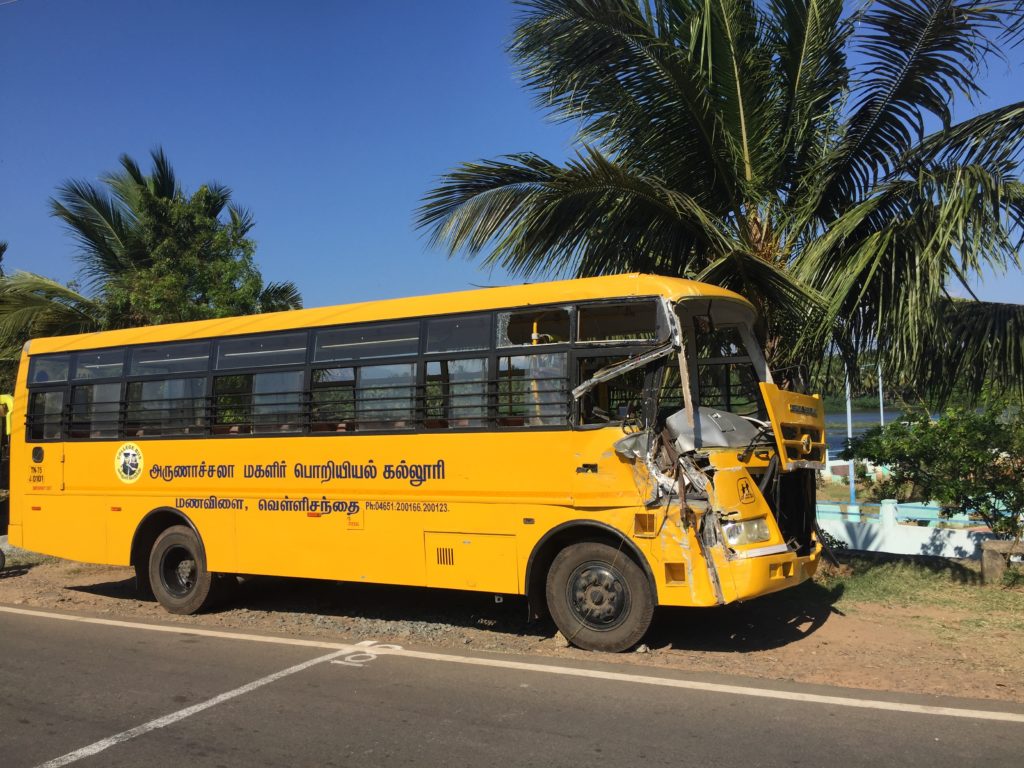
<point>527,391</point>
<point>615,323</point>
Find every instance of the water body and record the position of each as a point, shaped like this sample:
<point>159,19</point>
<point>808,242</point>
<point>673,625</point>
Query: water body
<point>863,420</point>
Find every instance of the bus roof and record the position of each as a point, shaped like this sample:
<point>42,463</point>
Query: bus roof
<point>581,289</point>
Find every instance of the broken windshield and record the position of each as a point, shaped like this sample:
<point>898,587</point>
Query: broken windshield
<point>724,357</point>
<point>726,377</point>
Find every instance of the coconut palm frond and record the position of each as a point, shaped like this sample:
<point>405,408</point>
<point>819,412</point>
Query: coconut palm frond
<point>917,56</point>
<point>242,219</point>
<point>807,39</point>
<point>977,346</point>
<point>634,80</point>
<point>885,264</point>
<point>99,224</point>
<point>33,305</point>
<point>993,137</point>
<point>591,216</point>
<point>279,297</point>
<point>162,180</point>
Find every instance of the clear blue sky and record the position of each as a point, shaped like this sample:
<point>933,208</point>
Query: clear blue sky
<point>329,120</point>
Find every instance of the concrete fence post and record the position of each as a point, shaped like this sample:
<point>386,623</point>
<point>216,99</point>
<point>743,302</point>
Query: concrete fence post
<point>887,513</point>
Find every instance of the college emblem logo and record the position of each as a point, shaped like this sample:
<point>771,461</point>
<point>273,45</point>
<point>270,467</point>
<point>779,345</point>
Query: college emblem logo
<point>128,463</point>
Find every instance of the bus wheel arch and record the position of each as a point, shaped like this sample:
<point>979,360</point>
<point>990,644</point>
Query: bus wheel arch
<point>146,534</point>
<point>567,535</point>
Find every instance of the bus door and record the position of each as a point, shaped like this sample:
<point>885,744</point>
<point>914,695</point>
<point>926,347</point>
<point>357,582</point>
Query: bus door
<point>45,458</point>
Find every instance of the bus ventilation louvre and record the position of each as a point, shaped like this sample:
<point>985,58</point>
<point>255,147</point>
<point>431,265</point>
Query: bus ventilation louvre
<point>445,556</point>
<point>792,499</point>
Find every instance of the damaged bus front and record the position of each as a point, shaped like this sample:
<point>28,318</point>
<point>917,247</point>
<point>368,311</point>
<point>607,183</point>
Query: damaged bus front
<point>722,457</point>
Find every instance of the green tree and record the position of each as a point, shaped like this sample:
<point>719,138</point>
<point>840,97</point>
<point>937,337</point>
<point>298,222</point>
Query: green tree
<point>148,253</point>
<point>970,460</point>
<point>801,152</point>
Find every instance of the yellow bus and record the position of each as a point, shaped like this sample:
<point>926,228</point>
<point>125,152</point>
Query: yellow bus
<point>603,446</point>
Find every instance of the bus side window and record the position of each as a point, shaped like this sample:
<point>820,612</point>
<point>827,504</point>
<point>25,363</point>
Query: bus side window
<point>95,410</point>
<point>463,333</point>
<point>45,414</point>
<point>610,400</point>
<point>386,396</point>
<point>533,390</point>
<point>166,407</point>
<point>244,403</point>
<point>48,369</point>
<point>544,325</point>
<point>232,404</point>
<point>456,394</point>
<point>333,400</point>
<point>632,322</point>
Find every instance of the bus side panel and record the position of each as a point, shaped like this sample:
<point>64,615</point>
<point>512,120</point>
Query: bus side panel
<point>374,528</point>
<point>350,507</point>
<point>110,509</point>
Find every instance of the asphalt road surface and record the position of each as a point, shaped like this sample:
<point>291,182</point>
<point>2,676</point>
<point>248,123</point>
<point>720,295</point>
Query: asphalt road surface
<point>87,691</point>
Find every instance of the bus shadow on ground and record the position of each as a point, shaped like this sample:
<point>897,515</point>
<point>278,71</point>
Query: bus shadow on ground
<point>11,570</point>
<point>14,570</point>
<point>762,624</point>
<point>418,612</point>
<point>362,608</point>
<point>421,613</point>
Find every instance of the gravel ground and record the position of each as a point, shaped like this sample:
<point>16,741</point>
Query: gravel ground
<point>799,635</point>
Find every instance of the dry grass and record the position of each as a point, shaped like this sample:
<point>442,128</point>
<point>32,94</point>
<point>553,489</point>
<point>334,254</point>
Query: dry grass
<point>949,594</point>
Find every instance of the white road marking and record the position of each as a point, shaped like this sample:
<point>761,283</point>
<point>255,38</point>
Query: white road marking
<point>550,669</point>
<point>694,685</point>
<point>174,717</point>
<point>183,630</point>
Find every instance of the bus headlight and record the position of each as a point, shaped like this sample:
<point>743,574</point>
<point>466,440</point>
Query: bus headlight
<point>746,532</point>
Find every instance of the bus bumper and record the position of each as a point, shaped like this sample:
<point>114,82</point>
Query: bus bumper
<point>755,576</point>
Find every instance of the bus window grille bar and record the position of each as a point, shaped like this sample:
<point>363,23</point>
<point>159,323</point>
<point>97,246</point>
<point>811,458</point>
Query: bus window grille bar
<point>470,403</point>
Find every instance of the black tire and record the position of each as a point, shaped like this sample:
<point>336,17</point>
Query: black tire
<point>3,560</point>
<point>177,571</point>
<point>599,597</point>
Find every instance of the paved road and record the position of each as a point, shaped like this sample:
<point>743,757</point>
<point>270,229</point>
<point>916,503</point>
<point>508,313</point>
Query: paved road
<point>116,694</point>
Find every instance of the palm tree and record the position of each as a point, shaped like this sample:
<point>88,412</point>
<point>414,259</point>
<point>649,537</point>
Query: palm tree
<point>148,253</point>
<point>793,150</point>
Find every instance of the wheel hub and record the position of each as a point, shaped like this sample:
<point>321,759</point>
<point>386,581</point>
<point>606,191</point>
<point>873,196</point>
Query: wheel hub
<point>186,571</point>
<point>179,571</point>
<point>598,595</point>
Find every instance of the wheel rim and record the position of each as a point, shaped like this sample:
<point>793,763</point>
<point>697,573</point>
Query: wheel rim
<point>178,571</point>
<point>598,596</point>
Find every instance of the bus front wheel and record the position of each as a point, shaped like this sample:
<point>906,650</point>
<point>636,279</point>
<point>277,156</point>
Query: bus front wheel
<point>599,597</point>
<point>177,571</point>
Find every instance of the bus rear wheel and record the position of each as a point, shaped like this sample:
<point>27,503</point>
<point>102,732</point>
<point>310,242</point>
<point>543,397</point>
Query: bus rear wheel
<point>177,571</point>
<point>599,597</point>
